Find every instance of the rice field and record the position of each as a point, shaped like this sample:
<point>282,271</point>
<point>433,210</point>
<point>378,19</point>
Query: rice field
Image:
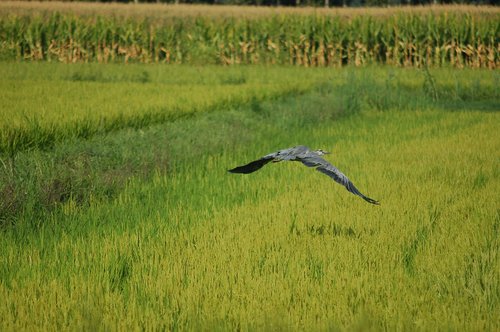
<point>90,100</point>
<point>142,227</point>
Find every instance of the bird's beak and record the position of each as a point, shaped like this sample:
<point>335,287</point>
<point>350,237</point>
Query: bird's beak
<point>325,152</point>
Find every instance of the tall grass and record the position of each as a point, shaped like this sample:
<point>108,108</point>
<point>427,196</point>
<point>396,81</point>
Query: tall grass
<point>283,248</point>
<point>458,39</point>
<point>86,100</point>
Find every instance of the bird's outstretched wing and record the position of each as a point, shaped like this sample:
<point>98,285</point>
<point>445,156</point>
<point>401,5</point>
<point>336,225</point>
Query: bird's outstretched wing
<point>339,177</point>
<point>252,166</point>
<point>285,154</point>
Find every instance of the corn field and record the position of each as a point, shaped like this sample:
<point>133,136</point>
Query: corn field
<point>457,39</point>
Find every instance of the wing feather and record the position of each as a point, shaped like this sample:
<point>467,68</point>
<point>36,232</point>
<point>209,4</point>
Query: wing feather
<point>251,167</point>
<point>311,160</point>
<point>340,178</point>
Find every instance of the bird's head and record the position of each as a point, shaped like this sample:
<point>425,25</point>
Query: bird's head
<point>321,152</point>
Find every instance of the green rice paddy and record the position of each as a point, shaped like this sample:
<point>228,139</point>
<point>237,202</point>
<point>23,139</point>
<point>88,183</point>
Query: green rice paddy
<point>139,226</point>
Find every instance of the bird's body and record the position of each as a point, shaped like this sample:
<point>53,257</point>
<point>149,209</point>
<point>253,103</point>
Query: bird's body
<point>308,157</point>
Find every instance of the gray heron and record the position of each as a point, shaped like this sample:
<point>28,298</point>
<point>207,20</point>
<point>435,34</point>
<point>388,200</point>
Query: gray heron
<point>308,157</point>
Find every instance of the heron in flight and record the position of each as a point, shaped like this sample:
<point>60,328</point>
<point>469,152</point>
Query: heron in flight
<point>309,158</point>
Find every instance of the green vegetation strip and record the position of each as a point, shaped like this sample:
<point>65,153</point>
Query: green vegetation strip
<point>456,38</point>
<point>42,104</point>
